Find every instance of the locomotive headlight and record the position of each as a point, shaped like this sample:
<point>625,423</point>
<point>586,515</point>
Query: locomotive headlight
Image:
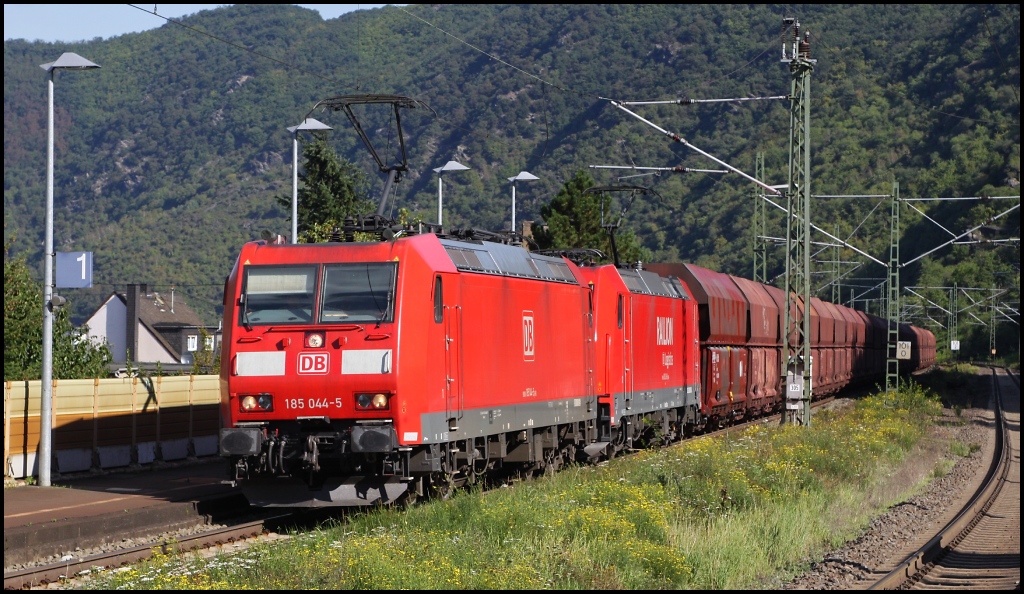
<point>314,340</point>
<point>378,401</point>
<point>256,403</point>
<point>265,401</point>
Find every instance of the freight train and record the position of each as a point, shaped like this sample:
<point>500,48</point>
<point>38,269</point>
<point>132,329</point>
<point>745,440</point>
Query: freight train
<point>357,373</point>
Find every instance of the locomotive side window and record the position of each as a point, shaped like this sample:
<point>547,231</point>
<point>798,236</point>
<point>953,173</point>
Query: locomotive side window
<point>355,293</point>
<point>277,295</point>
<point>620,311</point>
<point>438,301</point>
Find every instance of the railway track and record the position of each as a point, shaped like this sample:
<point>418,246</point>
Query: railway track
<point>980,548</point>
<point>71,567</point>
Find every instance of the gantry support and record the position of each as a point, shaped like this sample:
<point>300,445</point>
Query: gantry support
<point>892,367</point>
<point>760,238</point>
<point>954,341</point>
<point>992,333</point>
<point>835,269</point>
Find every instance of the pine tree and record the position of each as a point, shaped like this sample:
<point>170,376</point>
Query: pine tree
<point>573,220</point>
<point>331,188</point>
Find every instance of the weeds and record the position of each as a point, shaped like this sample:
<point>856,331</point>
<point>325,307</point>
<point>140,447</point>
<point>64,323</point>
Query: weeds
<point>711,512</point>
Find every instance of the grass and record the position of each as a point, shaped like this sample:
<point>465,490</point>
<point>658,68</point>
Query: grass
<point>962,450</point>
<point>717,512</point>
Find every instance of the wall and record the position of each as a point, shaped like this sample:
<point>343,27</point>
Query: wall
<point>116,422</point>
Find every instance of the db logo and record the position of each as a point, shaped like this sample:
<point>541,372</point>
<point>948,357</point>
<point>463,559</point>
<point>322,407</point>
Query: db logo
<point>314,363</point>
<point>528,336</point>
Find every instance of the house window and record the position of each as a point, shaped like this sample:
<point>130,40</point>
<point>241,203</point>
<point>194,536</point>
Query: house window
<point>193,343</point>
<point>208,343</point>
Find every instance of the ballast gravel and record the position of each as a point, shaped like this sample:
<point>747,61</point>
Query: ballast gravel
<point>910,523</point>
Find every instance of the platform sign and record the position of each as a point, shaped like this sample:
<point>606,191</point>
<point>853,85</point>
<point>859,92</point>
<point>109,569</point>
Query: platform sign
<point>954,345</point>
<point>74,270</point>
<point>903,349</point>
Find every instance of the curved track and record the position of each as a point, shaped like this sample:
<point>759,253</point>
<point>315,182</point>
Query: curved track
<point>980,549</point>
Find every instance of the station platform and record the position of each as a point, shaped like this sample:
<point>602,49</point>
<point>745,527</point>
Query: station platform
<point>92,510</point>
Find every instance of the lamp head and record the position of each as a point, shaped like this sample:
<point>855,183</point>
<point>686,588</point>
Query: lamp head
<point>69,61</point>
<point>452,166</point>
<point>309,124</point>
<point>523,176</point>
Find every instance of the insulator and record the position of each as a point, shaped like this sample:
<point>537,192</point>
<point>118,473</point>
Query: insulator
<point>786,23</point>
<point>805,47</point>
<point>350,235</point>
<point>335,235</point>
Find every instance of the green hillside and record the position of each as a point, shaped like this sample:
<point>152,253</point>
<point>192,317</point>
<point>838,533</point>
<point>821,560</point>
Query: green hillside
<point>170,155</point>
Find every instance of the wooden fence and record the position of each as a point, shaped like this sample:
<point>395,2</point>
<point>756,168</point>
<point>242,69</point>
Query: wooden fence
<point>115,422</point>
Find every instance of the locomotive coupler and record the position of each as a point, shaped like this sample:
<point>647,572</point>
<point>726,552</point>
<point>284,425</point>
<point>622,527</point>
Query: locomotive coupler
<point>311,456</point>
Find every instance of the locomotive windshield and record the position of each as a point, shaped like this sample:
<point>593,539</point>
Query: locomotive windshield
<point>358,293</point>
<point>278,295</point>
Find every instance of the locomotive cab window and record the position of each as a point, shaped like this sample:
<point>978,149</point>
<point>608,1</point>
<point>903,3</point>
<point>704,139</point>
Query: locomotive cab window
<point>438,301</point>
<point>277,295</point>
<point>355,293</point>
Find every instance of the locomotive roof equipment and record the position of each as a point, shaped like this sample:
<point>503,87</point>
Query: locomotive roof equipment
<point>394,171</point>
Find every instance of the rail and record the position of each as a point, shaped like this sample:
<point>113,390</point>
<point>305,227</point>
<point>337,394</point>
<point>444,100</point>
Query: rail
<point>910,570</point>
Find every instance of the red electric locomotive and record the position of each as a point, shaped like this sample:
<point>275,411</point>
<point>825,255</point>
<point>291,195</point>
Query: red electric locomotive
<point>355,373</point>
<point>646,355</point>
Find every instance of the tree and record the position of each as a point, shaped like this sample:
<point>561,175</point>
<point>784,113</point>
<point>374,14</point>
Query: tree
<point>23,332</point>
<point>573,220</point>
<point>206,359</point>
<point>331,189</point>
<point>74,354</point>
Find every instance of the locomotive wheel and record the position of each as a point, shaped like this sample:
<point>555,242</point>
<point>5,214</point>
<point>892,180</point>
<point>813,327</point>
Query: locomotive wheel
<point>552,462</point>
<point>444,485</point>
<point>411,498</point>
<point>569,454</point>
<point>528,471</point>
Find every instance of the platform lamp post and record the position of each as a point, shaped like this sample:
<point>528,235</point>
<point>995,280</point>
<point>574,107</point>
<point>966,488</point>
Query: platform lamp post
<point>307,124</point>
<point>66,61</point>
<point>449,166</point>
<point>521,176</point>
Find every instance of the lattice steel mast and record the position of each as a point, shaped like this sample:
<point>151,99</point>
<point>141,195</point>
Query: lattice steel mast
<point>796,363</point>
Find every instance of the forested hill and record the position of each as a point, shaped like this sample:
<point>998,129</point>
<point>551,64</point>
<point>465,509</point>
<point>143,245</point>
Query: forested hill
<point>170,155</point>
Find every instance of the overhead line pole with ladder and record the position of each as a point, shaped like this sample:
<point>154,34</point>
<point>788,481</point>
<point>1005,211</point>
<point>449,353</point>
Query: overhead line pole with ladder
<point>796,359</point>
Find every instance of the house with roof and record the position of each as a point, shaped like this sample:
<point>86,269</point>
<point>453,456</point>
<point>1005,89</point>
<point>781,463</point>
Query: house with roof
<point>147,327</point>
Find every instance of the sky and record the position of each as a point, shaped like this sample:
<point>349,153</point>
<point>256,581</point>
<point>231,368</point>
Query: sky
<point>84,22</point>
